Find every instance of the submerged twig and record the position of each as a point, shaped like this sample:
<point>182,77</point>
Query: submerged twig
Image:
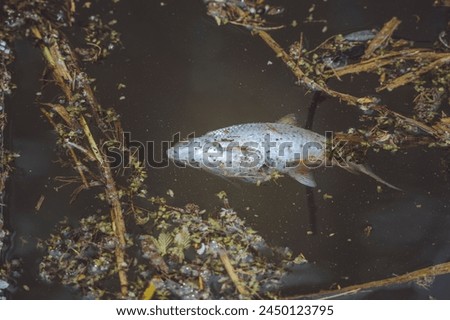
<point>382,37</point>
<point>413,75</point>
<point>39,202</point>
<point>396,66</point>
<point>65,69</point>
<point>375,63</point>
<point>433,271</point>
<point>75,159</point>
<point>304,79</point>
<point>312,70</point>
<point>230,270</point>
<point>346,97</point>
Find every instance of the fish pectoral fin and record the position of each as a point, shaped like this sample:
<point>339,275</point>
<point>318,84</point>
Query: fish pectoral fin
<point>303,175</point>
<point>289,119</point>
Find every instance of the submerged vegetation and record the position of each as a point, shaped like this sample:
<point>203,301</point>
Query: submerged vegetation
<point>141,246</point>
<point>6,157</point>
<point>186,254</point>
<point>396,62</point>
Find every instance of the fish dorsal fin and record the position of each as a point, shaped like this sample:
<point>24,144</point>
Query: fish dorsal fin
<point>290,119</point>
<point>303,175</point>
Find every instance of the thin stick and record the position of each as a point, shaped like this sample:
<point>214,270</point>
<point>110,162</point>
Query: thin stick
<point>39,203</point>
<point>62,76</point>
<point>433,271</point>
<point>91,140</point>
<point>413,75</point>
<point>382,37</point>
<point>75,159</point>
<point>410,121</point>
<point>351,100</point>
<point>377,62</point>
<point>230,270</point>
<point>62,112</point>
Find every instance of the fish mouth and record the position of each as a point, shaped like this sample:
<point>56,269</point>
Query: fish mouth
<point>172,155</point>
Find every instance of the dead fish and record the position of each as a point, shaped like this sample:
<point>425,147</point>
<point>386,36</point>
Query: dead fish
<point>259,152</point>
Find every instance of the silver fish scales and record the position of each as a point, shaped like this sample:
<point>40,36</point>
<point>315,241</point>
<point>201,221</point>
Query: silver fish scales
<point>258,152</point>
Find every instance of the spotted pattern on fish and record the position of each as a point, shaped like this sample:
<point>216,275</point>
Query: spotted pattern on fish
<point>258,152</point>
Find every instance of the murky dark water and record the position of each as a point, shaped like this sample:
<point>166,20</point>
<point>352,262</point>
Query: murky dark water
<point>184,73</point>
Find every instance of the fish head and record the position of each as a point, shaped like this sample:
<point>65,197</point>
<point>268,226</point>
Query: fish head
<point>187,152</point>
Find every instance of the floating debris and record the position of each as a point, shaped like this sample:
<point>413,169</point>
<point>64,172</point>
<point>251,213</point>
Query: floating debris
<point>185,253</point>
<point>443,3</point>
<point>10,275</point>
<point>425,282</point>
<point>368,230</point>
<point>170,193</point>
<point>39,202</point>
<point>194,256</point>
<point>396,62</point>
<point>245,260</point>
<point>3,284</point>
<point>327,196</point>
<point>249,14</point>
<point>83,257</point>
<point>7,272</point>
<point>100,39</point>
<point>427,103</point>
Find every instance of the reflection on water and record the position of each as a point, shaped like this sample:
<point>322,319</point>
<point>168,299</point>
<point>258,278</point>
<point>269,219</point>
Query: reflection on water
<point>183,73</point>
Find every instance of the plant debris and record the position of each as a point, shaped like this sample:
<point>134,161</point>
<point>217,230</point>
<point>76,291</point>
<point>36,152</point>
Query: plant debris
<point>81,123</point>
<point>190,255</point>
<point>397,63</point>
<point>161,251</point>
<point>250,14</point>
<point>6,57</point>
<point>100,38</point>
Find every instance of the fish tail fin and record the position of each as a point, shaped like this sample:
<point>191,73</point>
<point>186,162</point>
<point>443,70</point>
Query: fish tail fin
<point>361,168</point>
